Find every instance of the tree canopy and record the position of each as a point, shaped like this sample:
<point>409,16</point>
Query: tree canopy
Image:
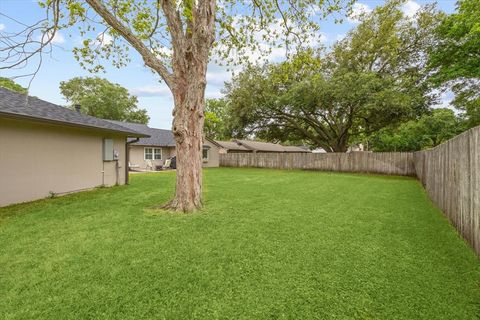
<point>455,58</point>
<point>102,99</point>
<point>372,79</point>
<point>216,119</point>
<point>428,131</point>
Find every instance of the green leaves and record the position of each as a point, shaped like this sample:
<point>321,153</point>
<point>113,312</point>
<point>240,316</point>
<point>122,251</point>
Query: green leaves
<point>100,98</point>
<point>427,132</point>
<point>454,59</point>
<point>456,54</point>
<point>11,85</point>
<point>217,119</point>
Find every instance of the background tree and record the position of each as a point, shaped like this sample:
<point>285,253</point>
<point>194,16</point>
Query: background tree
<point>372,79</point>
<point>102,99</point>
<point>216,119</point>
<point>428,131</point>
<point>12,85</point>
<point>455,58</point>
<point>174,39</point>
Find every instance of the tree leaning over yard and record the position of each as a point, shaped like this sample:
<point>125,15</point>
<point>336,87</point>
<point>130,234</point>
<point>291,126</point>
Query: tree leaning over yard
<point>174,38</point>
<point>102,99</point>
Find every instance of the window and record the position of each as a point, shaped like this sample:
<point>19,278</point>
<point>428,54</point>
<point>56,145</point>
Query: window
<point>153,154</point>
<point>148,153</point>
<point>108,150</point>
<point>205,154</point>
<point>157,154</point>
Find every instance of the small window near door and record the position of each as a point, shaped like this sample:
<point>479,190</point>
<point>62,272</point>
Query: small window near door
<point>157,153</point>
<point>148,153</point>
<point>205,154</point>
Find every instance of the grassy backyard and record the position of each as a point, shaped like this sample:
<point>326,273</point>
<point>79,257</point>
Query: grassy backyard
<point>269,245</point>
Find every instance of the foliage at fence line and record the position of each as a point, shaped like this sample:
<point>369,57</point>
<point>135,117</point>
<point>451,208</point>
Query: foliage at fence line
<point>450,174</point>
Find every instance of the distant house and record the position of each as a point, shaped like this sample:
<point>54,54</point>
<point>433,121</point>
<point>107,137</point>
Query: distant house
<point>258,146</point>
<point>151,152</point>
<point>231,147</point>
<point>46,149</point>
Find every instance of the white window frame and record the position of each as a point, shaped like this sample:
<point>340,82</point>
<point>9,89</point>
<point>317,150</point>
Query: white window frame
<point>152,153</point>
<point>161,153</point>
<point>145,153</point>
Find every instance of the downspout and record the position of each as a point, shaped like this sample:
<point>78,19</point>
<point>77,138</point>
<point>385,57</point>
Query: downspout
<point>127,156</point>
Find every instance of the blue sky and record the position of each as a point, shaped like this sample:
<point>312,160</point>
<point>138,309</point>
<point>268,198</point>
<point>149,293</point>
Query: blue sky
<point>152,95</point>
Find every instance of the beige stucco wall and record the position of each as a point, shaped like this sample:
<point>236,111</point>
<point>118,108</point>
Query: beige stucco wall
<point>38,158</point>
<point>137,156</point>
<point>213,155</point>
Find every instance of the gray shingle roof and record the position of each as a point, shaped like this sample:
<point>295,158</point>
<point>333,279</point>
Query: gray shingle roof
<point>18,105</point>
<point>296,149</point>
<point>158,137</point>
<point>261,146</point>
<point>258,146</point>
<point>232,145</point>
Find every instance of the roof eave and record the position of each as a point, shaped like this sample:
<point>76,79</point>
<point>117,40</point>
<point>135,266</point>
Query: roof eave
<point>70,124</point>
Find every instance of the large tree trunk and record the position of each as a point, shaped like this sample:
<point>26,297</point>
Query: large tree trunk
<point>191,49</point>
<point>189,98</point>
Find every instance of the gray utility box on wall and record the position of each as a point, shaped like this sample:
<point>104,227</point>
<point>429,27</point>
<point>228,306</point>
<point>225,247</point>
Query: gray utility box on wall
<point>108,150</point>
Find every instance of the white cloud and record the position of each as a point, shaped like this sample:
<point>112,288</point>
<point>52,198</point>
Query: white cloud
<point>358,9</point>
<point>340,37</point>
<point>2,27</point>
<point>213,93</point>
<point>218,77</point>
<point>151,91</point>
<point>445,99</point>
<point>323,37</point>
<point>410,8</point>
<point>57,38</point>
<point>104,39</point>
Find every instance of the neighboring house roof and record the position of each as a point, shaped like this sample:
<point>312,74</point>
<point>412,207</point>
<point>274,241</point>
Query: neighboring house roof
<point>158,137</point>
<point>269,147</point>
<point>296,149</point>
<point>18,105</point>
<point>261,146</point>
<point>232,145</point>
<point>254,146</point>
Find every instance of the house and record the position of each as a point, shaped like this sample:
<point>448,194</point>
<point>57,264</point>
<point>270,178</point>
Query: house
<point>258,146</point>
<point>150,153</point>
<point>46,150</point>
<point>231,147</point>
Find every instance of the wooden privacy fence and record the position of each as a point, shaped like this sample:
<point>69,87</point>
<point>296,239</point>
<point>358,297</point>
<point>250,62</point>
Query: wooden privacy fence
<point>397,163</point>
<point>450,174</point>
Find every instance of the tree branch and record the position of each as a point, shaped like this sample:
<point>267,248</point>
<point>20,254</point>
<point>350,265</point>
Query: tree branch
<point>148,57</point>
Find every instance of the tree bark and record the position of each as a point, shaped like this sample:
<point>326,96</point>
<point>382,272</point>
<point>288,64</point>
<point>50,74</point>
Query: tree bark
<point>188,132</point>
<point>190,59</point>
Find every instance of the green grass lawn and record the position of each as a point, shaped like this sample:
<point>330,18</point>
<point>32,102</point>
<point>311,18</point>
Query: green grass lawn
<point>269,245</point>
